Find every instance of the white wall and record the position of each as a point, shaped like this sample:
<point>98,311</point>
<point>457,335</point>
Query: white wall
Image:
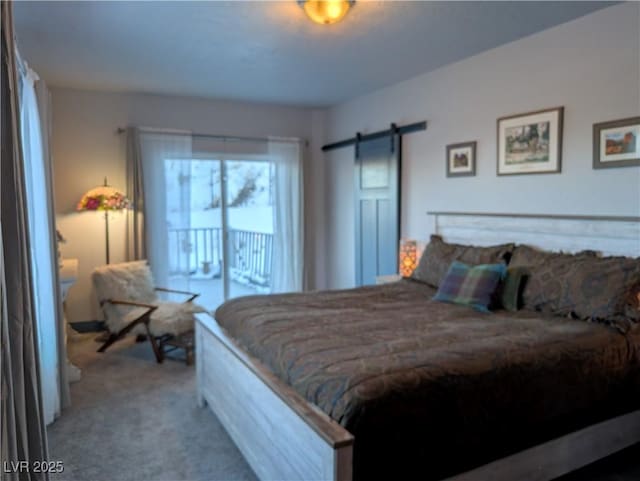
<point>591,66</point>
<point>86,148</point>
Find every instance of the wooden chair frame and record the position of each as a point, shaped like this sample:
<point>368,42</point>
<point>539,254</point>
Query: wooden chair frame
<point>144,318</point>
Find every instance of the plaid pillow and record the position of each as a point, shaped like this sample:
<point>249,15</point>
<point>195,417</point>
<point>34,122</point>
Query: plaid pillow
<point>470,286</point>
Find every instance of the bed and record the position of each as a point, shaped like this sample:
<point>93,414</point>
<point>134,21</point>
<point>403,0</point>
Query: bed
<point>324,386</point>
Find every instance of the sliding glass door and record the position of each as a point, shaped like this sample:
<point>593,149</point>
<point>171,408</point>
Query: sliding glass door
<point>194,228</point>
<point>211,217</point>
<point>249,226</point>
<point>219,216</point>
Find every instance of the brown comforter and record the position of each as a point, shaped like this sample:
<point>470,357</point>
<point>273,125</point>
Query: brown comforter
<point>429,389</point>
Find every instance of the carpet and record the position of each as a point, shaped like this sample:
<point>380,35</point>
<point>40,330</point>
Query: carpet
<point>134,419</point>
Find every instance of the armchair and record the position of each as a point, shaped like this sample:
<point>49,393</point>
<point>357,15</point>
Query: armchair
<point>130,303</point>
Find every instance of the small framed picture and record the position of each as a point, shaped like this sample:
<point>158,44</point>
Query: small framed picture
<point>461,159</point>
<point>530,143</point>
<point>616,143</point>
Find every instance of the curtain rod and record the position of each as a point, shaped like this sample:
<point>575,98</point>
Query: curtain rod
<point>233,138</point>
<point>405,129</point>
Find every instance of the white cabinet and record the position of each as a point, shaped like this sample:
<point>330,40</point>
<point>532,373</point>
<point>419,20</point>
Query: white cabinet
<point>68,277</point>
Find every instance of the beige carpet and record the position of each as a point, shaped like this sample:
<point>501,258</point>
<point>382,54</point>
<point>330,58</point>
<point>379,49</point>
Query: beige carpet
<point>133,419</point>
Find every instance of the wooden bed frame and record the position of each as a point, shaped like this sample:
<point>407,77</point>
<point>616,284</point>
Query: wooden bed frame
<point>283,436</point>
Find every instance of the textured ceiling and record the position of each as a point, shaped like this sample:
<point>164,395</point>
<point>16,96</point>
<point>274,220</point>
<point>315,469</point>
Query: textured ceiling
<point>265,51</point>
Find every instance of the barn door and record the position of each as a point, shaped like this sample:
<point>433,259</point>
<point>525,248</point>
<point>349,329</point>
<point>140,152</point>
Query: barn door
<point>377,209</point>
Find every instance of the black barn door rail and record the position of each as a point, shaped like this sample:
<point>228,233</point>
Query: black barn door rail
<point>405,129</point>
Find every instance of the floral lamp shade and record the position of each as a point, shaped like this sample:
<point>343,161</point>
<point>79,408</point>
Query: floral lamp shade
<point>408,257</point>
<point>103,197</point>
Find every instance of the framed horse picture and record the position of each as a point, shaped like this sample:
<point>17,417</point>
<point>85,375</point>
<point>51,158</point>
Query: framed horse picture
<point>530,143</point>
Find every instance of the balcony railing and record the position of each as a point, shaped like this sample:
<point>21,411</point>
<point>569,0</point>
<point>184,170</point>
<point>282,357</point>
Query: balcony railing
<point>198,252</point>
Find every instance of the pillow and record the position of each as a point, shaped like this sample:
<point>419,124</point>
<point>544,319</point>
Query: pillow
<point>632,302</point>
<point>124,281</point>
<point>438,256</point>
<point>509,293</point>
<point>582,285</point>
<point>470,286</point>
<point>524,255</point>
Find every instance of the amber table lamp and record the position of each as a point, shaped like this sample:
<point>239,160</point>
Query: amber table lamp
<point>408,257</point>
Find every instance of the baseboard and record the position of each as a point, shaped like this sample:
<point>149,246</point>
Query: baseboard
<point>88,326</point>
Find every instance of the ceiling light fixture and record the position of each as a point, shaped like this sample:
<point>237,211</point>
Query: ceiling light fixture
<point>326,12</point>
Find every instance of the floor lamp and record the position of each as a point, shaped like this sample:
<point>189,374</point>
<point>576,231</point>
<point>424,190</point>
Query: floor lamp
<point>104,198</point>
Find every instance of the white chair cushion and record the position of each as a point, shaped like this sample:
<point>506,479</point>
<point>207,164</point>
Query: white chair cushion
<point>133,281</point>
<point>169,318</point>
<point>132,315</point>
<point>128,281</point>
<point>173,318</point>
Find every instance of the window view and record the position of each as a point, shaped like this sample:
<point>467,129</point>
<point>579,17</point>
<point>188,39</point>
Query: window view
<point>250,220</point>
<point>196,226</point>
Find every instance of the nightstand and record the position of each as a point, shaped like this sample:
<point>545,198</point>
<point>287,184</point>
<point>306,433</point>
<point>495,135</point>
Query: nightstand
<point>388,279</point>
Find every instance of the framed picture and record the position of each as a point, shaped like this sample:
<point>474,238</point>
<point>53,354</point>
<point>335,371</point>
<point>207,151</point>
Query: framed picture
<point>461,159</point>
<point>616,143</point>
<point>530,143</point>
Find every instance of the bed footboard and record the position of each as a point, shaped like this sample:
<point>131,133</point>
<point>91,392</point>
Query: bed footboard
<point>280,434</point>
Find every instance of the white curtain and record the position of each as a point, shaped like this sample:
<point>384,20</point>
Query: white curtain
<point>44,107</point>
<point>173,190</point>
<point>288,215</point>
<point>40,239</point>
<point>166,173</point>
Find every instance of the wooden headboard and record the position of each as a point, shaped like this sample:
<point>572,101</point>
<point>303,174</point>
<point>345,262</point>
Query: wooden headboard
<point>610,235</point>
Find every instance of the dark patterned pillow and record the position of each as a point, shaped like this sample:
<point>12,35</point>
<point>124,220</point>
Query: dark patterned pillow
<point>632,302</point>
<point>524,255</point>
<point>438,256</point>
<point>582,285</point>
<point>509,292</point>
<point>470,286</point>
